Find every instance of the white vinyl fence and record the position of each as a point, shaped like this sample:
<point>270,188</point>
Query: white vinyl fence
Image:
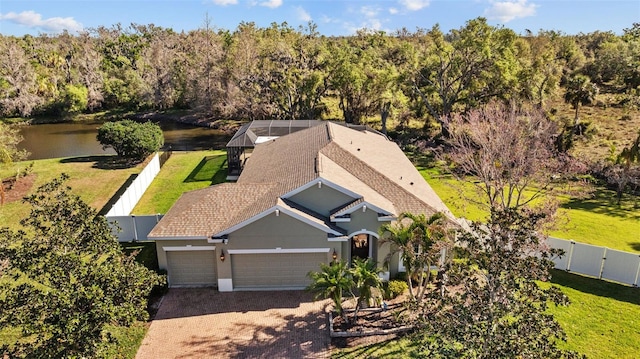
<point>132,195</point>
<point>133,228</point>
<point>599,262</point>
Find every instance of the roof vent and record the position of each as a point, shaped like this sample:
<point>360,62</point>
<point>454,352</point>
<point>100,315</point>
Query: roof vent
<point>411,183</point>
<point>358,149</point>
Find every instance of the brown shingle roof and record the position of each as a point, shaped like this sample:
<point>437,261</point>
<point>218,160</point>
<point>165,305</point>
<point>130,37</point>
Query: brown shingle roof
<point>201,213</point>
<point>376,166</point>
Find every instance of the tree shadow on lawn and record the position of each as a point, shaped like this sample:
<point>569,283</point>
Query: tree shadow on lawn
<point>597,287</point>
<point>603,201</point>
<point>104,162</point>
<point>210,168</point>
<point>635,246</point>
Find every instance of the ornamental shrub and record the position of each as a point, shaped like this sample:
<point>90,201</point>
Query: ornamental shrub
<point>130,139</point>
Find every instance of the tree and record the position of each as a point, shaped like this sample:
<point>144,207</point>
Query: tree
<point>420,241</point>
<point>366,277</point>
<point>364,81</point>
<point>509,150</point>
<point>332,281</point>
<point>18,81</point>
<point>9,153</point>
<point>337,280</point>
<point>293,77</point>
<point>65,279</point>
<point>130,139</point>
<point>580,91</point>
<point>491,305</point>
<point>625,168</point>
<point>465,68</point>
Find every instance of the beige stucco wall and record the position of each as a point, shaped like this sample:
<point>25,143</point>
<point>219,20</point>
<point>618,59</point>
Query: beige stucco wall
<point>277,231</point>
<point>162,255</point>
<point>321,200</point>
<point>367,221</point>
<point>362,220</point>
<point>273,232</point>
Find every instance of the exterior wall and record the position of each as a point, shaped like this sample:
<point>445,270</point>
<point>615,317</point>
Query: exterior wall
<point>277,231</point>
<point>270,232</point>
<point>367,221</point>
<point>162,255</point>
<point>321,200</point>
<point>359,221</point>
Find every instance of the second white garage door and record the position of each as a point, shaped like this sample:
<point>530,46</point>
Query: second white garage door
<point>191,268</point>
<point>277,271</point>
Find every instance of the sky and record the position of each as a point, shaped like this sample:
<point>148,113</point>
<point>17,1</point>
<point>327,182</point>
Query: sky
<point>332,17</point>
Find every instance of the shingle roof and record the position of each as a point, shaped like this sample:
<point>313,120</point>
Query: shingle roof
<point>359,160</point>
<point>202,212</point>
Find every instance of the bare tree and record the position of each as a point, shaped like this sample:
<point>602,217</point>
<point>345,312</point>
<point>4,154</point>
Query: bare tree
<point>9,152</point>
<point>509,150</point>
<point>18,93</point>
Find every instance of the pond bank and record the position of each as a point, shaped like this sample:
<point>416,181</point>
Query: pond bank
<point>185,117</point>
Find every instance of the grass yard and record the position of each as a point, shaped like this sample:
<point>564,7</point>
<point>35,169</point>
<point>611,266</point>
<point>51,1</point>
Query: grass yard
<point>126,346</point>
<point>184,171</point>
<point>597,220</point>
<point>602,321</point>
<point>91,177</point>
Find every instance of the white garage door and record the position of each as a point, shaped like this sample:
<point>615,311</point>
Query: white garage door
<point>191,268</point>
<point>278,271</point>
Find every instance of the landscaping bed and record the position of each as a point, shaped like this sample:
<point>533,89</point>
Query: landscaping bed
<point>370,322</point>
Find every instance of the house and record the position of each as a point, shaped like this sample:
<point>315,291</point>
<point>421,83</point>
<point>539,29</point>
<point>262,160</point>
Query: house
<point>300,200</point>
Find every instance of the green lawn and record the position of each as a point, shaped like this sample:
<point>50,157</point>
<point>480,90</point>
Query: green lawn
<point>93,178</point>
<point>596,220</point>
<point>602,321</point>
<point>184,171</point>
<point>128,339</point>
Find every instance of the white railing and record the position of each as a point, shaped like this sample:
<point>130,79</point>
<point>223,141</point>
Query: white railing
<point>132,195</point>
<point>598,262</point>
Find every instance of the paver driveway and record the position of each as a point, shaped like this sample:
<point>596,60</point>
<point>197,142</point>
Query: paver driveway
<point>203,323</point>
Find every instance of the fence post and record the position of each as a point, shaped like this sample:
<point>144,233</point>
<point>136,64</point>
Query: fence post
<point>135,228</point>
<point>636,283</point>
<point>604,258</point>
<point>573,243</point>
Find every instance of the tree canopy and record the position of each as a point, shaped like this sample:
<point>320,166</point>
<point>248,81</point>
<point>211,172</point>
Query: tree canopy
<point>130,139</point>
<point>281,72</point>
<point>65,279</point>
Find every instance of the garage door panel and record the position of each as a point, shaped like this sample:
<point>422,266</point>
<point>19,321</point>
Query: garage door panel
<point>287,270</point>
<point>191,268</point>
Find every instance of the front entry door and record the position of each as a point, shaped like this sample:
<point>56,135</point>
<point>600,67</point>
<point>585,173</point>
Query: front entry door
<point>360,244</point>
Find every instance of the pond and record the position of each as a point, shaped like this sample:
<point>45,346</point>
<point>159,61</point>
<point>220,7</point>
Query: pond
<point>79,139</point>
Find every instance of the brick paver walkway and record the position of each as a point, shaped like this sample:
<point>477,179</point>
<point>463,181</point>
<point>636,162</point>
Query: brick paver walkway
<point>203,323</point>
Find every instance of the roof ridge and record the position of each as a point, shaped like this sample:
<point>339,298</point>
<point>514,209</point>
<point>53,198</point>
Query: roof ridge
<point>363,178</point>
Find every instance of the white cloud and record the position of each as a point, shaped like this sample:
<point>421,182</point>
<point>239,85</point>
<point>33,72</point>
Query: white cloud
<point>414,5</point>
<point>370,11</point>
<point>505,11</point>
<point>271,3</point>
<point>225,2</point>
<point>302,14</point>
<point>34,20</point>
<point>393,11</point>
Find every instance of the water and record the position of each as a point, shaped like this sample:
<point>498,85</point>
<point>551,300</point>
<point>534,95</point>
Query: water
<point>79,139</point>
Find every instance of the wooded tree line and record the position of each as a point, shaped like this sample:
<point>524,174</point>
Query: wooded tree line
<point>279,72</point>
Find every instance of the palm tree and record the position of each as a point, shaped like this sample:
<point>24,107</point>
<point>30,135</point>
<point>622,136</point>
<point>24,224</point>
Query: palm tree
<point>365,278</point>
<point>419,240</point>
<point>580,91</point>
<point>333,281</point>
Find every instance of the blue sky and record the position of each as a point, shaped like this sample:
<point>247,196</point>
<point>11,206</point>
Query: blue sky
<point>332,17</point>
